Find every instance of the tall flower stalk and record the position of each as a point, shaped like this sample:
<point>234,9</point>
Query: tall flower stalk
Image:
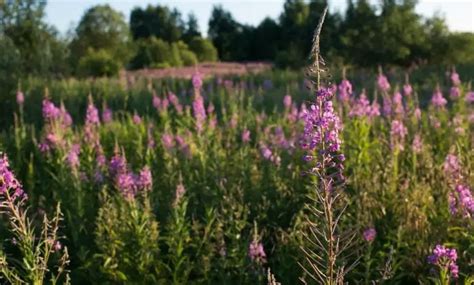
<point>35,265</point>
<point>326,244</point>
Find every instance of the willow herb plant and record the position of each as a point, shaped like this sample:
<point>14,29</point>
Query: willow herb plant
<point>326,243</point>
<point>42,259</point>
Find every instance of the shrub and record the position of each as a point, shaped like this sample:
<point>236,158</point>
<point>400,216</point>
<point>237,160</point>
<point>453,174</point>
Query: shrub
<point>98,63</point>
<point>204,49</point>
<point>186,55</point>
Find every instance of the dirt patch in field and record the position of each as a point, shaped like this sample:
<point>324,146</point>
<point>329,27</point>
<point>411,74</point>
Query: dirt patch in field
<point>206,69</point>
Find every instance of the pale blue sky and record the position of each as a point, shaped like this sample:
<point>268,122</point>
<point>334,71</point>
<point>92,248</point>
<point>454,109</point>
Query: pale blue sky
<point>65,14</point>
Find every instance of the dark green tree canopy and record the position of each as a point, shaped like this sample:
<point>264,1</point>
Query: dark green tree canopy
<point>158,21</point>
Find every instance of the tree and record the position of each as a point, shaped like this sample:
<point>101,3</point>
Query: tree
<point>266,40</point>
<point>359,32</point>
<point>158,21</point>
<point>402,37</point>
<point>39,48</point>
<point>192,29</point>
<point>224,33</point>
<point>102,28</point>
<point>294,43</point>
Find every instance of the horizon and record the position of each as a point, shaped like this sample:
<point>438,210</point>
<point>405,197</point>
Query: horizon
<point>64,15</point>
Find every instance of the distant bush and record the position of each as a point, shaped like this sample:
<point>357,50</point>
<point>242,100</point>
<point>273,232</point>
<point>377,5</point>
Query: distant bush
<point>188,57</point>
<point>204,49</point>
<point>157,53</point>
<point>99,63</point>
<point>150,51</point>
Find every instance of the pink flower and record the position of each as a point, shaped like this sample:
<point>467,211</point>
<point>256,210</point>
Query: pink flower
<point>438,100</point>
<point>20,97</point>
<point>369,235</point>
<point>383,83</point>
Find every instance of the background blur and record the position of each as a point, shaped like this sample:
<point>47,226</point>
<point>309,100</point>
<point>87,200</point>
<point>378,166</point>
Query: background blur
<point>100,38</point>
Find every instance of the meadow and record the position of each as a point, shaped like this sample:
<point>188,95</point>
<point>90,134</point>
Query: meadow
<point>215,180</point>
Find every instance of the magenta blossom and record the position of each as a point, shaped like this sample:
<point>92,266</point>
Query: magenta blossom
<point>454,92</point>
<point>445,258</point>
<point>257,253</point>
<point>383,83</point>
<point>455,80</point>
<point>407,89</point>
<point>246,136</point>
<point>20,98</point>
<point>469,97</point>
<point>369,235</point>
<point>197,80</point>
<point>106,115</point>
<point>137,119</point>
<point>345,90</point>
<point>438,100</point>
<point>287,101</point>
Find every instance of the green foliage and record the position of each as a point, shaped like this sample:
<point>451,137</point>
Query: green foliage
<point>101,28</point>
<point>41,51</point>
<point>223,31</point>
<point>204,236</point>
<point>151,51</point>
<point>188,57</point>
<point>390,33</point>
<point>10,64</point>
<point>203,48</point>
<point>154,52</point>
<point>157,21</point>
<point>99,63</point>
<point>127,251</point>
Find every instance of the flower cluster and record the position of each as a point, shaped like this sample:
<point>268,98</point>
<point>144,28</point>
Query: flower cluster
<point>397,103</point>
<point>407,89</point>
<point>383,83</point>
<point>369,234</point>
<point>321,132</point>
<point>8,182</point>
<point>455,80</point>
<point>438,100</point>
<point>107,115</point>
<point>417,144</point>
<point>245,136</point>
<point>452,166</point>
<point>469,97</point>
<point>398,132</point>
<point>130,184</point>
<point>199,111</point>
<point>454,92</point>
<point>445,258</point>
<point>197,80</point>
<point>287,101</point>
<point>461,201</point>
<point>92,114</point>
<point>345,90</point>
<point>91,134</point>
<point>20,98</point>
<point>256,252</point>
<point>175,102</point>
<point>57,120</point>
<point>73,156</point>
<point>362,107</point>
<point>269,155</point>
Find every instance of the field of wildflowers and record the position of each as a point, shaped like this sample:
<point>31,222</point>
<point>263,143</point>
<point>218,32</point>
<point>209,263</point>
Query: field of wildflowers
<point>240,180</point>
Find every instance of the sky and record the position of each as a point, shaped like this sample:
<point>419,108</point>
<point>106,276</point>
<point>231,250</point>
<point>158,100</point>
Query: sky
<point>65,14</point>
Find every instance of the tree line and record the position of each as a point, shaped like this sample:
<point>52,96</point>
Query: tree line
<point>389,33</point>
<point>103,42</point>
